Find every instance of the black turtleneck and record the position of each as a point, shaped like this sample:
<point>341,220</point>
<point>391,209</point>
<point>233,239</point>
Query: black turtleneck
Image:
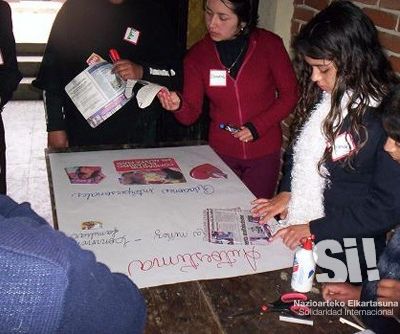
<point>232,52</point>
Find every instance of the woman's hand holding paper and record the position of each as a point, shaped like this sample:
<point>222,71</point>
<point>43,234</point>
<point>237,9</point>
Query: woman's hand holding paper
<point>169,100</point>
<point>128,70</point>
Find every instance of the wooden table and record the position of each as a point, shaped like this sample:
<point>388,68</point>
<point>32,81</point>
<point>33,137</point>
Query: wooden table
<point>204,307</point>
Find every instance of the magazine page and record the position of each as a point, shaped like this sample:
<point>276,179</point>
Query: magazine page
<point>237,226</point>
<point>149,171</point>
<point>255,232</point>
<point>223,226</point>
<point>275,225</point>
<point>97,92</point>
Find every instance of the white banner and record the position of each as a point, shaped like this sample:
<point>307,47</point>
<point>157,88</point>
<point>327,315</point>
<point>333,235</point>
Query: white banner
<point>141,212</point>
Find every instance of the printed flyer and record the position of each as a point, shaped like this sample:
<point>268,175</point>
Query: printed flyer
<point>149,171</point>
<point>98,93</point>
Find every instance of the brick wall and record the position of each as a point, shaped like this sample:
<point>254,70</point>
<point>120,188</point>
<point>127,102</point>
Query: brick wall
<point>384,13</point>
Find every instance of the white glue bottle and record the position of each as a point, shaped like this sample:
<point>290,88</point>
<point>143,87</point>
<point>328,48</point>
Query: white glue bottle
<point>304,266</point>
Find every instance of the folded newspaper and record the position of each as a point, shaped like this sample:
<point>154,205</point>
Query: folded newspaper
<point>98,93</point>
<point>237,226</point>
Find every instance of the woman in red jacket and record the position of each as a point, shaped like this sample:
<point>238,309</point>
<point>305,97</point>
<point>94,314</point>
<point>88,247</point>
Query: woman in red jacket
<point>248,78</point>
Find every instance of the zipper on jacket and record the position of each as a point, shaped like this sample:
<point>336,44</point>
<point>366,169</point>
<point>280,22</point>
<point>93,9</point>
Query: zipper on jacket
<point>240,115</point>
<point>235,83</point>
<point>250,50</point>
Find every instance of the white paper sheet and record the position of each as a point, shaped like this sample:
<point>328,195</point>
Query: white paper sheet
<point>154,232</point>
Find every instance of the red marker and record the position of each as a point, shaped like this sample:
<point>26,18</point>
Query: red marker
<point>114,55</point>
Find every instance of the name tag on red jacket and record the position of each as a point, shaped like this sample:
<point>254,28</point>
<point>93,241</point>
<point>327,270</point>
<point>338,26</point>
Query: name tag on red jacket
<point>343,146</point>
<point>217,78</point>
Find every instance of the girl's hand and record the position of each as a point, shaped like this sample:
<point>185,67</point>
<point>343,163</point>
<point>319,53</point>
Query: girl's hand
<point>266,209</point>
<point>341,292</point>
<point>292,235</point>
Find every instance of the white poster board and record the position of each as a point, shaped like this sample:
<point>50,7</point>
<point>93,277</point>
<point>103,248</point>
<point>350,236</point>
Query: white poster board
<point>154,232</point>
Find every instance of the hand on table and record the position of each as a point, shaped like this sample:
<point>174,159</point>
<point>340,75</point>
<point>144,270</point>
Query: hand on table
<point>342,292</point>
<point>266,209</point>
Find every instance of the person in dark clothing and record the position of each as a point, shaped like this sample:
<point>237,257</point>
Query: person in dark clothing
<point>338,181</point>
<point>9,78</point>
<point>385,319</point>
<point>143,37</point>
<point>50,285</point>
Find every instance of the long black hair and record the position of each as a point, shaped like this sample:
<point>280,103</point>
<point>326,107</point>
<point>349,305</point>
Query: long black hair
<point>343,34</point>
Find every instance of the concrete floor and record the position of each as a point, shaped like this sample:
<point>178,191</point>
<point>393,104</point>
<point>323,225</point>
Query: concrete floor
<point>26,140</point>
<point>24,121</point>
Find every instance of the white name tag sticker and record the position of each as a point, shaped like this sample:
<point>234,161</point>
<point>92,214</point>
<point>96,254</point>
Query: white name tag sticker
<point>343,146</point>
<point>1,58</point>
<point>132,35</point>
<point>217,78</point>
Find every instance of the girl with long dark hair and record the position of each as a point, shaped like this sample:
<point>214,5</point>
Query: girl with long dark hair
<point>338,181</point>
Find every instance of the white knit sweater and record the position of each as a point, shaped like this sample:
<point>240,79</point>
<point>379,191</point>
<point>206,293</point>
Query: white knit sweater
<point>308,185</point>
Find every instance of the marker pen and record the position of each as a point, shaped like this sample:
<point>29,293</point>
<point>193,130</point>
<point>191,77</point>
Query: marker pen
<point>229,128</point>
<point>114,55</point>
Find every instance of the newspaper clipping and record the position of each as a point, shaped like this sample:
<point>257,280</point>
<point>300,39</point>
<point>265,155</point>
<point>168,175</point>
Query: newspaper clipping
<point>237,226</point>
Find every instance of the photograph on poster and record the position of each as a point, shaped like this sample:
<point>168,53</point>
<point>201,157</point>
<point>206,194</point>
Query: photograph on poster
<point>85,174</point>
<point>149,171</point>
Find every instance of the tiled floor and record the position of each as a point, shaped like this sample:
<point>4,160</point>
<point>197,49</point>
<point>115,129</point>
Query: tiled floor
<point>26,138</point>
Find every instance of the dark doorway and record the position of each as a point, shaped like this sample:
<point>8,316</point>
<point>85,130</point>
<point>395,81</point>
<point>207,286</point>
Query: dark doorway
<point>178,12</point>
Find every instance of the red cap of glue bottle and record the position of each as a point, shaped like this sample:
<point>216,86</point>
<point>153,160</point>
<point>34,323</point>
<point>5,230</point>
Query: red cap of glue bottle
<point>308,243</point>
